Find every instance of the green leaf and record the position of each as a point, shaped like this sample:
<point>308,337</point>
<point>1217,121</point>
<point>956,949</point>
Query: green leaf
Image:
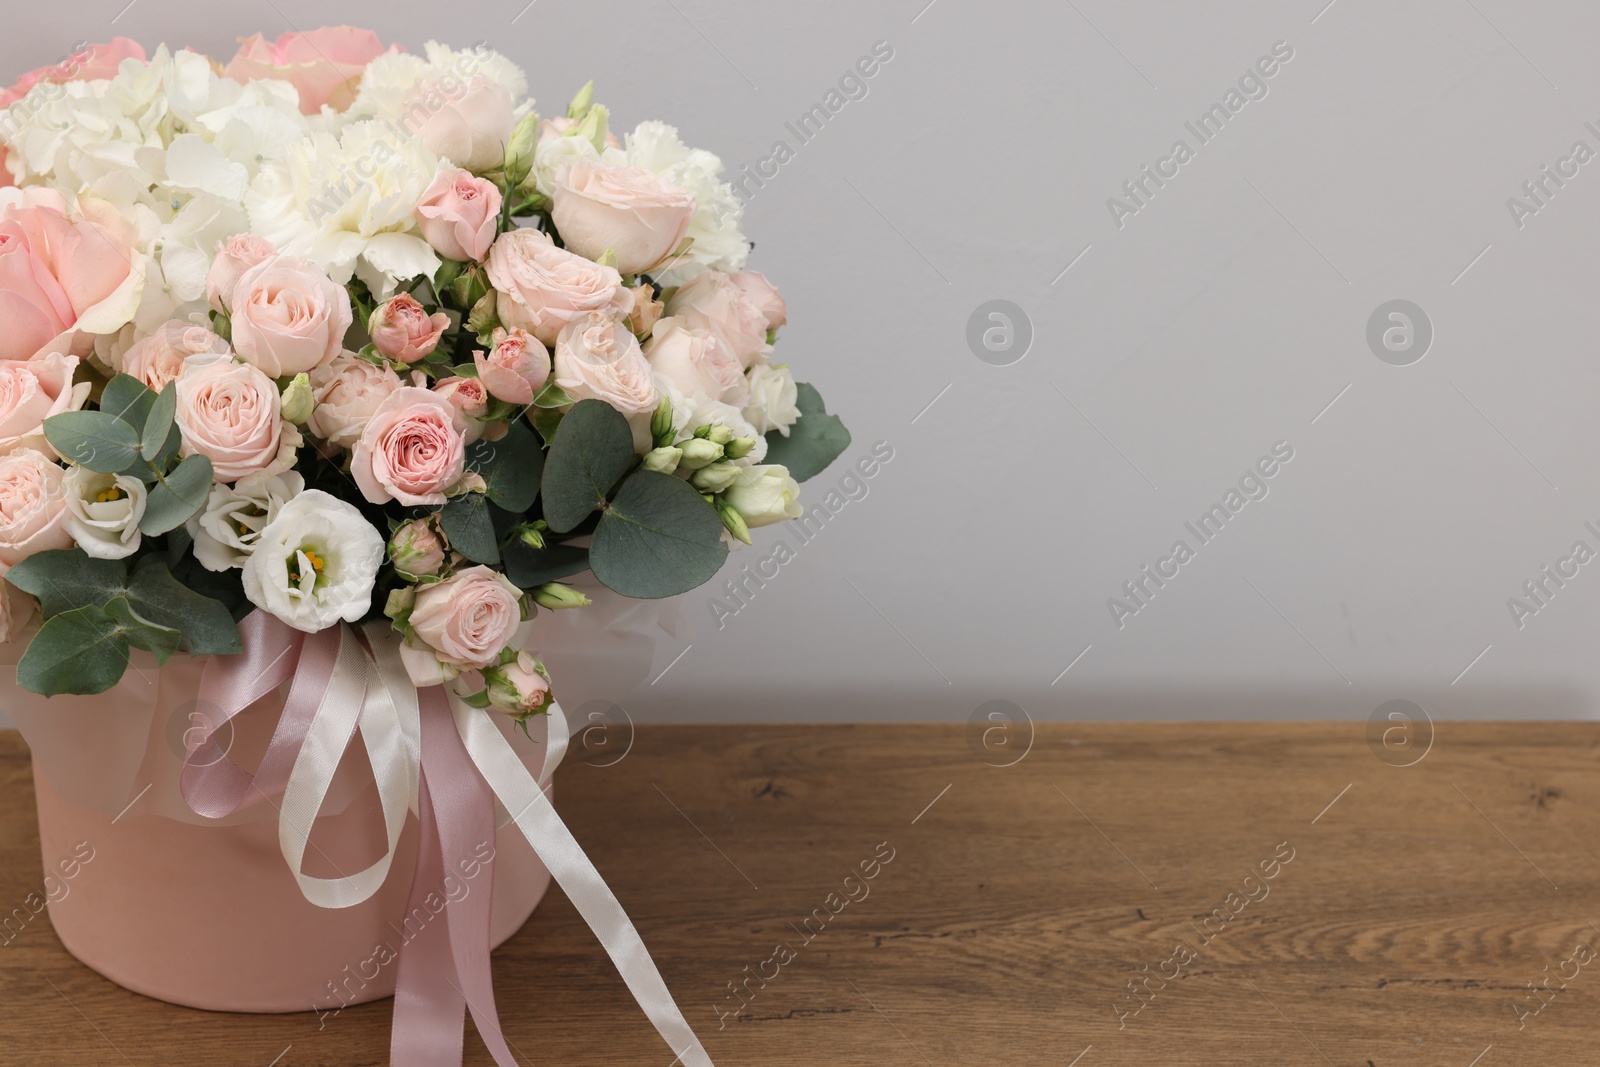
<point>552,396</point>
<point>206,624</point>
<point>547,421</point>
<point>659,538</point>
<point>93,439</point>
<point>67,578</point>
<point>158,423</point>
<point>813,442</point>
<point>161,641</point>
<point>128,399</point>
<point>510,467</point>
<point>82,651</point>
<point>591,450</point>
<point>182,493</point>
<point>528,567</point>
<point>468,525</point>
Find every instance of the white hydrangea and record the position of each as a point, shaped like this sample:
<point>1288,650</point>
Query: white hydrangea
<point>347,204</point>
<point>719,242</point>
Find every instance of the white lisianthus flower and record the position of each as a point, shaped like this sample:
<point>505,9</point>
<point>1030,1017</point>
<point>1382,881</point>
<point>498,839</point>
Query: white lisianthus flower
<point>348,204</point>
<point>315,563</point>
<point>228,528</point>
<point>765,495</point>
<point>772,398</point>
<point>103,512</point>
<point>719,242</point>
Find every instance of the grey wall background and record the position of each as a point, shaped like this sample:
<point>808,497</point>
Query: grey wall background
<point>1229,313</point>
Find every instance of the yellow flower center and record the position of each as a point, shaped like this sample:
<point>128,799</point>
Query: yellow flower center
<point>106,496</point>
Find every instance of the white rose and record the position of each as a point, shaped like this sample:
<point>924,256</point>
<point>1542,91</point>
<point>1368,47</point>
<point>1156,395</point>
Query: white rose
<point>314,564</point>
<point>719,243</point>
<point>772,398</point>
<point>764,495</point>
<point>228,528</point>
<point>103,512</point>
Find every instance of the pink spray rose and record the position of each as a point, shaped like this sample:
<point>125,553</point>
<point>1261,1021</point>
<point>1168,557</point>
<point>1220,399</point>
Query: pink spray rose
<point>32,391</point>
<point>417,550</point>
<point>713,301</point>
<point>471,401</point>
<point>542,287</point>
<point>468,618</point>
<point>598,357</point>
<point>158,359</point>
<point>33,506</point>
<point>228,412</point>
<point>288,316</point>
<point>628,210</point>
<point>348,392</point>
<point>403,330</point>
<point>696,362</point>
<point>63,278</point>
<point>764,295</point>
<point>467,123</point>
<point>515,368</point>
<point>234,256</point>
<point>412,450</point>
<point>459,215</point>
<point>324,65</point>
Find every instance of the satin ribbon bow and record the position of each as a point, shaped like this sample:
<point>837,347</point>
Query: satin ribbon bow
<point>431,753</point>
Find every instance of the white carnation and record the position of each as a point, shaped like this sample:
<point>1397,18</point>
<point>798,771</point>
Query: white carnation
<point>719,243</point>
<point>228,528</point>
<point>103,512</point>
<point>315,564</point>
<point>772,398</point>
<point>347,203</point>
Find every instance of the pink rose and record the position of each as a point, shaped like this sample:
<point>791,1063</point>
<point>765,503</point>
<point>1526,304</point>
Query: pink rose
<point>324,65</point>
<point>467,123</point>
<point>348,392</point>
<point>32,391</point>
<point>628,210</point>
<point>33,506</point>
<point>403,330</point>
<point>696,362</point>
<point>412,450</point>
<point>764,295</point>
<point>288,316</point>
<point>468,618</point>
<point>158,359</point>
<point>471,401</point>
<point>646,311</point>
<point>459,215</point>
<point>542,287</point>
<point>63,279</point>
<point>598,358</point>
<point>713,301</point>
<point>234,256</point>
<point>515,368</point>
<point>228,412</point>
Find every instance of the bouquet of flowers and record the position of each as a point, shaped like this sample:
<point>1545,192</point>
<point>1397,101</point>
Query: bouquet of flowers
<point>339,332</point>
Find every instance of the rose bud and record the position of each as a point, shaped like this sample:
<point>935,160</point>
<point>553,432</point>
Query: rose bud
<point>520,687</point>
<point>417,550</point>
<point>403,330</point>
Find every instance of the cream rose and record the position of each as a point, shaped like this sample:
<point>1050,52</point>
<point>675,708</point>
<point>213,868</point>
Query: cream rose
<point>515,368</point>
<point>347,392</point>
<point>412,450</point>
<point>772,398</point>
<point>627,210</point>
<point>32,391</point>
<point>696,362</point>
<point>459,215</point>
<point>764,295</point>
<point>315,564</point>
<point>467,123</point>
<point>288,316</point>
<point>158,359</point>
<point>103,512</point>
<point>542,287</point>
<point>33,506</point>
<point>228,528</point>
<point>229,413</point>
<point>468,618</point>
<point>597,357</point>
<point>712,301</point>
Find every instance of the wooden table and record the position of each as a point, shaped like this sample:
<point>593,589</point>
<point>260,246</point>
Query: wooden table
<point>1419,904</point>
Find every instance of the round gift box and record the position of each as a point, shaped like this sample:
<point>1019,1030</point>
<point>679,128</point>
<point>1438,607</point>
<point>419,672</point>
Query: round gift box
<point>206,913</point>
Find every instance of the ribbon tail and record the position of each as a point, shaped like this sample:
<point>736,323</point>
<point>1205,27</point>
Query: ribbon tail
<point>444,968</point>
<point>572,870</point>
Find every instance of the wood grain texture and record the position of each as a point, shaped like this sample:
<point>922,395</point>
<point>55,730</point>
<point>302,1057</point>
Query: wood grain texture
<point>1404,930</point>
